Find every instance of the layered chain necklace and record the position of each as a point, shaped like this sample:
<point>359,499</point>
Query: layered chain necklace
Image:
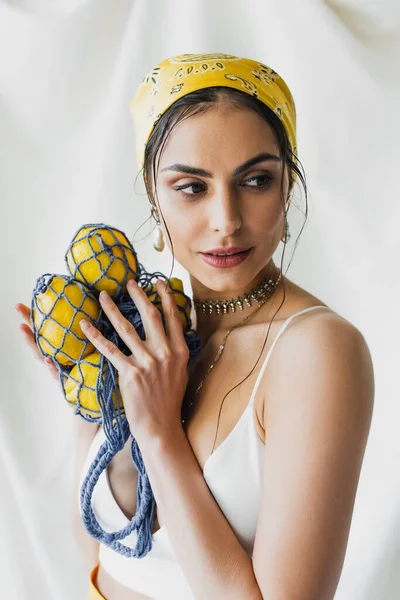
<point>261,294</point>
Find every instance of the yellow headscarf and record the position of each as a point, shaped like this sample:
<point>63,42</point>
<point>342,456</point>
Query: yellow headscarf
<point>179,75</point>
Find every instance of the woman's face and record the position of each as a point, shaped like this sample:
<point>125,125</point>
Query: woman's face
<point>222,202</point>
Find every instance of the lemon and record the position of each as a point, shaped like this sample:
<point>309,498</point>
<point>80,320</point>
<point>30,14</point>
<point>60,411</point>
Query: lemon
<point>102,257</point>
<point>181,299</point>
<point>81,384</point>
<point>58,306</point>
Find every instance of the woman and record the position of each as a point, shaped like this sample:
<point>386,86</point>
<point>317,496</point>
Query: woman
<point>255,488</point>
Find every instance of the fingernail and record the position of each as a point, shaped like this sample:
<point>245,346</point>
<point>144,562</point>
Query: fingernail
<point>84,324</point>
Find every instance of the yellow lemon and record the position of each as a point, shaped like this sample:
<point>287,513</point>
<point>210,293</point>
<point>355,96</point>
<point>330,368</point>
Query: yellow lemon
<point>181,299</point>
<point>81,384</point>
<point>102,257</point>
<point>59,304</point>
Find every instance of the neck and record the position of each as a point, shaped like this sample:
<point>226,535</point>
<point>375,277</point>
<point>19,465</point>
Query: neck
<point>208,324</point>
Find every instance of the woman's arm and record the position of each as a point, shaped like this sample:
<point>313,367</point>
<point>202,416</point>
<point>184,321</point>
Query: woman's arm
<point>318,409</point>
<point>84,434</point>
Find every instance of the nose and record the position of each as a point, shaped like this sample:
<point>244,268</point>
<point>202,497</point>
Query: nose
<point>225,215</point>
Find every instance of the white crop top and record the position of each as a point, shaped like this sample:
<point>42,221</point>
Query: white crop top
<point>236,465</point>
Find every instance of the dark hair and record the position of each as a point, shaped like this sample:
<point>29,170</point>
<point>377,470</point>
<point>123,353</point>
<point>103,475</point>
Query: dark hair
<point>197,102</point>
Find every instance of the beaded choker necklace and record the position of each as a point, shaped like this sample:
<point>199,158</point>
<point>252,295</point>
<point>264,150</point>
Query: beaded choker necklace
<point>262,290</point>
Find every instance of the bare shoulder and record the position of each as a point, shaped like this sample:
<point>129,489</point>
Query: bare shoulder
<point>322,350</point>
<point>323,331</point>
<point>320,330</point>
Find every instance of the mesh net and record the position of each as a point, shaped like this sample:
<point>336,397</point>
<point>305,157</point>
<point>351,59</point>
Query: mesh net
<point>100,257</point>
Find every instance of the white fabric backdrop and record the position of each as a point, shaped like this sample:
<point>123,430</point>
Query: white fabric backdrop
<point>67,71</point>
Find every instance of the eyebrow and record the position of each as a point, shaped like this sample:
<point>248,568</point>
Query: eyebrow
<point>249,163</point>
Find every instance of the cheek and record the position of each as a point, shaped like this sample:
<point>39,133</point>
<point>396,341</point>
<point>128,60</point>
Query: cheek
<point>269,216</point>
<point>182,230</point>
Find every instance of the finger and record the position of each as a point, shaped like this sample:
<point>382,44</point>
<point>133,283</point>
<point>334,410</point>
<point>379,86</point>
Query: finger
<point>151,316</point>
<point>106,347</point>
<point>22,307</point>
<point>26,330</point>
<point>122,326</point>
<point>30,340</point>
<point>52,368</point>
<point>24,311</point>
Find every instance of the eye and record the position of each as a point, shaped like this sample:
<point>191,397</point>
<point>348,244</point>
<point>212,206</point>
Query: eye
<point>201,188</point>
<point>265,176</point>
<point>193,184</point>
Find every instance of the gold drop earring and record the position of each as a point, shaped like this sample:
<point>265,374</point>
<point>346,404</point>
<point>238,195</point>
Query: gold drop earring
<point>158,237</point>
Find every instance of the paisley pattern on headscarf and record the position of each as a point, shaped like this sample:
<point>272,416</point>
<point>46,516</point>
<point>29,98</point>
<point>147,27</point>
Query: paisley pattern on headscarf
<point>180,75</point>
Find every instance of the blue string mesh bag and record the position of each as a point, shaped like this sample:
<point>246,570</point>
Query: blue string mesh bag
<point>98,258</point>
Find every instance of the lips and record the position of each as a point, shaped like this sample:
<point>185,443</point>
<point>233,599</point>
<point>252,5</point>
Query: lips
<point>225,261</point>
<point>224,253</point>
<point>231,250</point>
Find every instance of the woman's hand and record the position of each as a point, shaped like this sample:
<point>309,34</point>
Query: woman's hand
<point>153,379</point>
<point>26,329</point>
